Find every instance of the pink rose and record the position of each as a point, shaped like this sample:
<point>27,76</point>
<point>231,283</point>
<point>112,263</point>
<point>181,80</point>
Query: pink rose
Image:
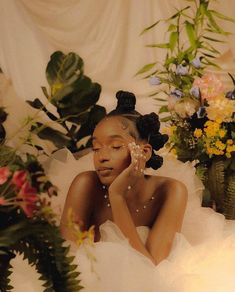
<point>210,86</point>
<point>4,174</point>
<point>19,178</point>
<point>29,197</point>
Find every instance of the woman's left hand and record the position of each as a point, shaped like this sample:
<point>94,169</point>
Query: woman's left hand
<point>129,176</point>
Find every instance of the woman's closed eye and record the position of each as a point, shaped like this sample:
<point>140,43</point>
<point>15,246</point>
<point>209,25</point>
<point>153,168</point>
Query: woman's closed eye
<point>95,149</point>
<point>114,147</point>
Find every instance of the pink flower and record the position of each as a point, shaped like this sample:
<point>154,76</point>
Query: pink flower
<point>2,201</point>
<point>4,174</point>
<point>19,178</point>
<point>210,86</point>
<point>29,198</point>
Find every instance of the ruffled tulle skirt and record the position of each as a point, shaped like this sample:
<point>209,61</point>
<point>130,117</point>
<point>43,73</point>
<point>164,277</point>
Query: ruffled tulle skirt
<point>202,258</point>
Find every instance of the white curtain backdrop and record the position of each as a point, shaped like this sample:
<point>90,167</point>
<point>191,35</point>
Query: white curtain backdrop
<point>105,33</point>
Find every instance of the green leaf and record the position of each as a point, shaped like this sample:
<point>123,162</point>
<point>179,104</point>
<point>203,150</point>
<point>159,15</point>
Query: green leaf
<point>160,99</point>
<point>165,119</point>
<point>172,27</point>
<point>213,40</point>
<point>146,68</point>
<point>161,46</point>
<point>59,139</point>
<point>233,79</point>
<point>151,26</point>
<point>173,40</point>
<point>36,103</point>
<point>178,13</point>
<point>222,16</point>
<point>64,68</point>
<point>208,62</point>
<point>190,33</point>
<point>163,109</point>
<point>214,25</point>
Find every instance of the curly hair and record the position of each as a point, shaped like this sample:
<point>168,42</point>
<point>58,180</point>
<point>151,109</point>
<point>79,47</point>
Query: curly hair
<point>147,125</point>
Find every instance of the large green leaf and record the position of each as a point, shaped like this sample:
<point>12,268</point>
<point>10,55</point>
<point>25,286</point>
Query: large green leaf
<point>64,68</point>
<point>79,102</point>
<point>96,114</point>
<point>59,139</point>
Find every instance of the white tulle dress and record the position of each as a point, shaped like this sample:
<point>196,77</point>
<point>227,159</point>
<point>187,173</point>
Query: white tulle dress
<point>202,258</point>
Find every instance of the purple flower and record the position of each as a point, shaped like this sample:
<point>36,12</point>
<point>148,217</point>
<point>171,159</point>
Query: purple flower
<point>196,62</point>
<point>195,91</point>
<point>153,80</point>
<point>176,93</point>
<point>201,112</point>
<point>181,70</point>
<point>230,95</point>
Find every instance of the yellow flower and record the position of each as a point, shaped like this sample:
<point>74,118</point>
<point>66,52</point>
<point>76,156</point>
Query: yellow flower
<point>220,145</point>
<point>218,121</point>
<point>230,148</point>
<point>197,133</point>
<point>228,155</point>
<point>229,142</point>
<point>210,150</point>
<point>222,133</point>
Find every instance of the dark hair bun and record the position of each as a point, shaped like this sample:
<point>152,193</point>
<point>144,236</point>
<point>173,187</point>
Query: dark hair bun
<point>126,101</point>
<point>158,140</point>
<point>155,161</point>
<point>147,124</point>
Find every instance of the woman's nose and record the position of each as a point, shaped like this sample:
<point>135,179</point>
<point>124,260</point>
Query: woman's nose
<point>103,155</point>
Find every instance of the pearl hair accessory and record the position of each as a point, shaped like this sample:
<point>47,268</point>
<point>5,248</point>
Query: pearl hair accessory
<point>137,210</point>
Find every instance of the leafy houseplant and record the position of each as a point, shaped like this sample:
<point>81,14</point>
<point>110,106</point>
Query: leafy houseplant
<point>199,114</point>
<point>74,97</point>
<point>27,223</point>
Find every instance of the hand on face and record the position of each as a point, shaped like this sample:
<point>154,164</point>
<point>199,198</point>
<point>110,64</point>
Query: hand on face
<point>129,176</point>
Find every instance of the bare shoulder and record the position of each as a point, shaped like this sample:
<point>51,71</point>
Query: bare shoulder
<point>83,187</point>
<point>87,178</point>
<point>171,188</point>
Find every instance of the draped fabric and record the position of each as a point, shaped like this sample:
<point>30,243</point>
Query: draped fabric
<point>105,33</point>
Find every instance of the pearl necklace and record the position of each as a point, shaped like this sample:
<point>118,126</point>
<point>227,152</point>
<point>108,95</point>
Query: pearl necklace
<point>137,210</point>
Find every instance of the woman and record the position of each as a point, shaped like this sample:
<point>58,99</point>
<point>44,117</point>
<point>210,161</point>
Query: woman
<point>138,217</point>
<point>122,147</point>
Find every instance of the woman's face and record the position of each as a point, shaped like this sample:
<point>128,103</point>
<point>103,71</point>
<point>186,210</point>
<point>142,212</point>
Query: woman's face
<point>110,146</point>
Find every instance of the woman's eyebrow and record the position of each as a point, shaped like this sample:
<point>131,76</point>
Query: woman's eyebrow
<point>111,136</point>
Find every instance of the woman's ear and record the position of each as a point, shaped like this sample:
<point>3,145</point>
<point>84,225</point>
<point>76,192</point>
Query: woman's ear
<point>147,151</point>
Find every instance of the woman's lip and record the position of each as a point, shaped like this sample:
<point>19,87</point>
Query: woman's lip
<point>104,168</point>
<point>104,171</point>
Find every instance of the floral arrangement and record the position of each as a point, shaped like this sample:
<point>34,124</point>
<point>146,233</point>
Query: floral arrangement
<point>199,113</point>
<point>28,225</point>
